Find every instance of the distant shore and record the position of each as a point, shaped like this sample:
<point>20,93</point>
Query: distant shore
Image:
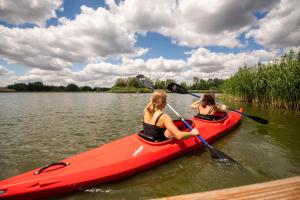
<point>112,90</point>
<point>2,89</point>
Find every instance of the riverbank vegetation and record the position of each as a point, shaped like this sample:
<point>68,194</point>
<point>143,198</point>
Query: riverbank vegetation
<point>40,87</point>
<point>131,84</point>
<point>276,83</point>
<point>121,85</point>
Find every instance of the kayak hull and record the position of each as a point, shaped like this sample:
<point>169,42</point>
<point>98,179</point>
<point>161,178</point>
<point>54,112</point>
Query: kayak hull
<point>112,161</point>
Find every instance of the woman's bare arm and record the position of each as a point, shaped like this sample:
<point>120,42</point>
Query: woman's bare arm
<point>195,104</point>
<point>168,122</point>
<point>221,108</point>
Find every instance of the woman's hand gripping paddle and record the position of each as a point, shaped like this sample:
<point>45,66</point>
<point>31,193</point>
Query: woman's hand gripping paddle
<point>215,154</point>
<point>173,87</point>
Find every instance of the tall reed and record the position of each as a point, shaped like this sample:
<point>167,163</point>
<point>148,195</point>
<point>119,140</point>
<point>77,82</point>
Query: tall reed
<point>276,83</point>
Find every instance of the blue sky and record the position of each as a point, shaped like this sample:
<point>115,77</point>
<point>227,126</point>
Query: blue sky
<point>94,42</point>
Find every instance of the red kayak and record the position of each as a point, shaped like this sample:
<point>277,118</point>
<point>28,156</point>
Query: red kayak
<point>109,162</point>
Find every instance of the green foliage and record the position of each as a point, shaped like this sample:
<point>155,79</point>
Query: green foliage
<point>276,83</point>
<point>158,84</point>
<point>210,84</point>
<point>116,89</point>
<point>72,87</point>
<point>39,87</point>
<point>18,87</point>
<point>127,82</point>
<point>131,84</point>
<point>120,82</point>
<point>101,89</point>
<point>86,89</point>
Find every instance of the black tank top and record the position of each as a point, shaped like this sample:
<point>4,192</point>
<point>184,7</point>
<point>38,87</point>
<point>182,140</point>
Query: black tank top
<point>154,131</point>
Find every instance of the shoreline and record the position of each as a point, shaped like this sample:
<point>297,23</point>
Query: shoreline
<point>116,91</point>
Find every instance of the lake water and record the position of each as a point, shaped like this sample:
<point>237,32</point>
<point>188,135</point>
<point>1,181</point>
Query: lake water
<point>39,128</point>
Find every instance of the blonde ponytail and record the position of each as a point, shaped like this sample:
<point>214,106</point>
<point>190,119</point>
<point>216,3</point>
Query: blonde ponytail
<point>157,102</point>
<point>151,108</point>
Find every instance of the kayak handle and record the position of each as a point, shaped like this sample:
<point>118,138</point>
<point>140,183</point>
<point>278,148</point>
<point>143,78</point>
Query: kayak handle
<point>50,165</point>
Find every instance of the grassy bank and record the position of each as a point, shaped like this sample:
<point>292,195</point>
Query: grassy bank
<point>204,91</point>
<point>276,83</point>
<point>2,89</point>
<point>129,90</point>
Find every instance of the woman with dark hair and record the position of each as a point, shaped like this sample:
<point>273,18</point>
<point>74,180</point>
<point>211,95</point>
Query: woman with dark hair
<point>207,108</point>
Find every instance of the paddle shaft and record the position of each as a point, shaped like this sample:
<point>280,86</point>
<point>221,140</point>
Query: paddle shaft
<point>188,125</point>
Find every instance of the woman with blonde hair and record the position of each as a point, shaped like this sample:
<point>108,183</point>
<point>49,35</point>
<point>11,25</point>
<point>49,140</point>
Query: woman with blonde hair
<point>159,125</point>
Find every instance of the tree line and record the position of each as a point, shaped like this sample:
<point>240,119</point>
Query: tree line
<point>130,84</point>
<point>197,84</point>
<point>39,87</point>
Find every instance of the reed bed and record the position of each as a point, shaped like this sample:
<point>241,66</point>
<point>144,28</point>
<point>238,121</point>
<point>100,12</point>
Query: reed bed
<point>276,83</point>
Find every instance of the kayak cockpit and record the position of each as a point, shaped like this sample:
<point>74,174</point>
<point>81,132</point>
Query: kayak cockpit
<point>150,140</point>
<point>217,117</point>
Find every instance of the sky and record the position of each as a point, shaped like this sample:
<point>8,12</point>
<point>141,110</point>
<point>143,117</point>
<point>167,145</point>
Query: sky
<point>93,42</point>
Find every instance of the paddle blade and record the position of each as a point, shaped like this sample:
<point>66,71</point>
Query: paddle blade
<point>173,87</point>
<point>140,76</point>
<point>220,156</point>
<point>258,119</point>
<point>144,81</point>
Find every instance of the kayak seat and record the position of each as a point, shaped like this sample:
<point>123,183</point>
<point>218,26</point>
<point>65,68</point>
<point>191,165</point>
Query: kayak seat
<point>180,125</point>
<point>148,137</point>
<point>216,117</point>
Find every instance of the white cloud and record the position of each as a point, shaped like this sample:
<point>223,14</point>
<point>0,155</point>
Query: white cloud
<point>203,60</point>
<point>31,11</point>
<point>4,71</point>
<point>192,22</point>
<point>202,63</point>
<point>281,27</point>
<point>96,35</point>
<point>145,16</point>
<point>129,67</point>
<point>92,36</point>
<point>62,77</point>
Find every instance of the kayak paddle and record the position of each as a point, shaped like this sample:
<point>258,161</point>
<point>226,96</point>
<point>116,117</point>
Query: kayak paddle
<point>173,87</point>
<point>215,153</point>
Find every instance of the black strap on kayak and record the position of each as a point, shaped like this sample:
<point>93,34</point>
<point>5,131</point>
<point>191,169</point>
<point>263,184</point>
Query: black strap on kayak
<point>50,165</point>
<point>146,137</point>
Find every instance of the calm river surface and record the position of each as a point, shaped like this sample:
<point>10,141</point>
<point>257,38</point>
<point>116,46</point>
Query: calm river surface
<point>39,128</point>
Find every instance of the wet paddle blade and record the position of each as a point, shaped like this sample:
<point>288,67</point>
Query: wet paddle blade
<point>258,119</point>
<point>220,156</point>
<point>173,87</point>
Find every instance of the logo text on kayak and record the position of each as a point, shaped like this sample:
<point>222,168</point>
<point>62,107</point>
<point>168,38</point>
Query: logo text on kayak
<point>138,151</point>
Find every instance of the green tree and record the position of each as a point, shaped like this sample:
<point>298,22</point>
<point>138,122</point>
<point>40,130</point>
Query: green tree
<point>18,87</point>
<point>132,82</point>
<point>37,86</point>
<point>159,84</point>
<point>72,87</point>
<point>120,82</point>
<point>86,88</point>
